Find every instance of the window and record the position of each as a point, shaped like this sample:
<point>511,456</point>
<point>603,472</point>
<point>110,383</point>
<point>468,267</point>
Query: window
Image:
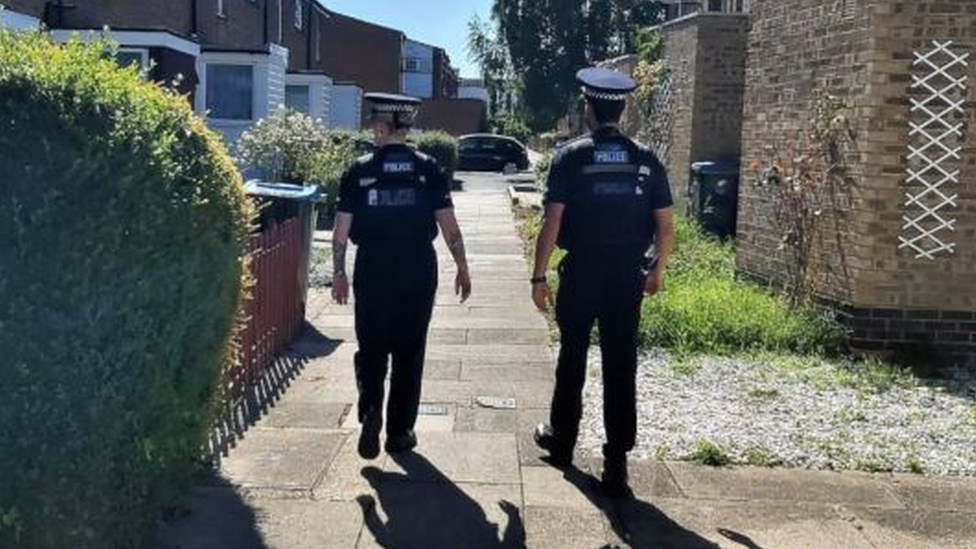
<point>128,57</point>
<point>417,64</point>
<point>297,98</point>
<point>299,14</point>
<point>230,92</point>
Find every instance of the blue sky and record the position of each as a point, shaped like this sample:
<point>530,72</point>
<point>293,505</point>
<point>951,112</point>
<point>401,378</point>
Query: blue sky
<point>441,23</point>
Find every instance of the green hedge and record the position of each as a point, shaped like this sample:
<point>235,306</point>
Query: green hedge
<point>441,146</point>
<point>122,224</point>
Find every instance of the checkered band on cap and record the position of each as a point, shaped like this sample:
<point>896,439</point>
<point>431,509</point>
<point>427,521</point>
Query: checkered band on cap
<point>394,108</point>
<point>604,95</point>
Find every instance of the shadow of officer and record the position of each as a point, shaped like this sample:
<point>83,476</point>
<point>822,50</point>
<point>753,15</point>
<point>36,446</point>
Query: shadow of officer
<point>637,523</point>
<point>426,510</point>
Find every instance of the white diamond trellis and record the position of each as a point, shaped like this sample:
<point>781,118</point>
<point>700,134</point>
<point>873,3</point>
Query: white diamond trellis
<point>935,144</point>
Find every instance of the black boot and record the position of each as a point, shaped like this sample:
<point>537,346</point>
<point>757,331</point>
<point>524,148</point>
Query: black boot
<point>615,477</point>
<point>369,438</point>
<point>546,439</point>
<point>397,444</point>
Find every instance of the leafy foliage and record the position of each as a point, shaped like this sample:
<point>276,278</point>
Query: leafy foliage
<point>282,146</point>
<point>512,126</point>
<point>122,228</point>
<point>650,71</point>
<point>706,309</point>
<point>439,145</point>
<point>547,41</point>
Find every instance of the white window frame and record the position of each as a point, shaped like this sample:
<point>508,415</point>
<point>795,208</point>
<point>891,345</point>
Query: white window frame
<point>299,15</point>
<point>254,91</point>
<point>143,54</point>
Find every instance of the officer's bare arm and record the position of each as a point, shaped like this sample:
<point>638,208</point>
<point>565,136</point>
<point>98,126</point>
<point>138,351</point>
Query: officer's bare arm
<point>340,241</point>
<point>447,221</point>
<point>664,241</point>
<point>548,236</point>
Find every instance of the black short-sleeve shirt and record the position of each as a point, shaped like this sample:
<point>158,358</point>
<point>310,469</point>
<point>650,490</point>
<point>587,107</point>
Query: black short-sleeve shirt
<point>393,195</point>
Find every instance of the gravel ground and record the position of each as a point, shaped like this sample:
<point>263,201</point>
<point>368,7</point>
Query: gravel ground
<point>797,416</point>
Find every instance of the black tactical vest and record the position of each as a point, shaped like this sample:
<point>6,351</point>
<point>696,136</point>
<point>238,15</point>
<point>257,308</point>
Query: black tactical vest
<point>394,212</point>
<point>609,191</point>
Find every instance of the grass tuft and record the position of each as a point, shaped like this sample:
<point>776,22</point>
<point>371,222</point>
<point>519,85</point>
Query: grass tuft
<point>709,453</point>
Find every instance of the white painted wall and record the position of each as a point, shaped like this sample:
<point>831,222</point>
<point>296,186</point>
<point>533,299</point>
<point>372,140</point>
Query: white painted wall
<point>18,21</point>
<point>346,107</point>
<point>319,96</point>
<point>417,84</point>
<point>269,86</point>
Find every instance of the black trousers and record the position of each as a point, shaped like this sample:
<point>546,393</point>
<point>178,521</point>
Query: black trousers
<point>607,291</point>
<point>395,294</point>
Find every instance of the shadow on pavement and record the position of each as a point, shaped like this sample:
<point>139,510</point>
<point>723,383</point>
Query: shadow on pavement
<point>635,522</point>
<point>238,416</point>
<point>216,518</point>
<point>426,510</point>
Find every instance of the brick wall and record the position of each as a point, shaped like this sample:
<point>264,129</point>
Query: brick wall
<point>34,8</point>
<point>243,25</point>
<point>681,60</point>
<point>862,50</point>
<point>361,52</point>
<point>705,56</point>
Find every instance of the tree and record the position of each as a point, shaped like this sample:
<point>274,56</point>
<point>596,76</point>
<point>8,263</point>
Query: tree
<point>547,41</point>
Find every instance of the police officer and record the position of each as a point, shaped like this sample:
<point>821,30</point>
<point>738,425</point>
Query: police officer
<point>608,204</point>
<point>391,204</point>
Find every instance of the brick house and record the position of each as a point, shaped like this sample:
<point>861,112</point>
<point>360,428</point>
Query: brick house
<point>899,259</point>
<point>236,59</point>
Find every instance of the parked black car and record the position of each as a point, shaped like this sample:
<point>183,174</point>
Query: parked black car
<point>491,153</point>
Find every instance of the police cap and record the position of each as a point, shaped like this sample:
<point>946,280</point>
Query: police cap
<point>403,108</point>
<point>605,84</point>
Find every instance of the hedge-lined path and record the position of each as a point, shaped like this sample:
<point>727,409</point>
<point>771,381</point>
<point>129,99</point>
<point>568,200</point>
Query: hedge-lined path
<point>294,480</point>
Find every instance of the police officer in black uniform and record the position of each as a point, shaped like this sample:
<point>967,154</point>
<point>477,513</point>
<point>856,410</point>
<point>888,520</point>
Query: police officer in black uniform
<point>391,204</point>
<point>608,205</point>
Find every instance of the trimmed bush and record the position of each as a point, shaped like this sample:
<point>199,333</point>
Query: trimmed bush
<point>282,147</point>
<point>122,225</point>
<point>440,145</point>
<point>330,163</point>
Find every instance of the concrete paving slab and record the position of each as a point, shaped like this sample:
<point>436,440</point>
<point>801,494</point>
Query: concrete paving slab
<point>343,481</point>
<point>507,336</point>
<point>285,459</point>
<point>710,524</point>
<point>784,485</point>
<point>484,371</point>
<point>492,354</point>
<point>294,414</point>
<point>485,458</point>
<point>527,394</point>
<point>564,528</point>
<point>928,493</point>
<point>409,515</point>
<point>549,487</point>
<point>442,370</point>
<point>915,529</point>
<point>483,420</point>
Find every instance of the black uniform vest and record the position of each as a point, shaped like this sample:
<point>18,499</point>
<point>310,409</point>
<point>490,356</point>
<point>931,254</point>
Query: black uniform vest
<point>394,213</point>
<point>608,207</point>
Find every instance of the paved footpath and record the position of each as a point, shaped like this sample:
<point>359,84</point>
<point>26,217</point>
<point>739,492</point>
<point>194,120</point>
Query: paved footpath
<point>294,480</point>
